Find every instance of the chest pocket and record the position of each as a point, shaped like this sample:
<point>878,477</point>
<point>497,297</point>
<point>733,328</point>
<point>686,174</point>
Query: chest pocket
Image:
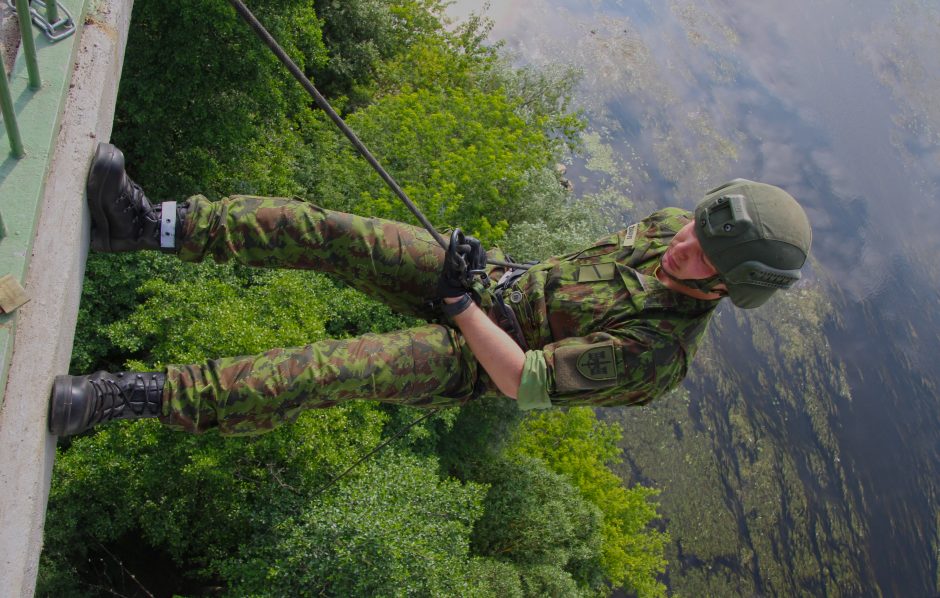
<point>598,263</point>
<point>603,250</point>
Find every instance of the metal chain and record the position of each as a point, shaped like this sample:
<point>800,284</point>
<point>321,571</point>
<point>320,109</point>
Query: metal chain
<point>56,29</point>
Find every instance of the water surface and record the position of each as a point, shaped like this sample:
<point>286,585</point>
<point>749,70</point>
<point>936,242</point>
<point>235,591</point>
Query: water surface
<point>803,455</point>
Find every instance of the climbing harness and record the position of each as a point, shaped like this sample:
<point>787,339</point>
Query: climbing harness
<point>286,60</point>
<point>505,316</point>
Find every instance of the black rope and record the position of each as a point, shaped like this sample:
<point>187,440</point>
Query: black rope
<point>388,441</point>
<point>275,47</point>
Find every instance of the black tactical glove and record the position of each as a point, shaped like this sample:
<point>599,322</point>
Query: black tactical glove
<point>464,259</point>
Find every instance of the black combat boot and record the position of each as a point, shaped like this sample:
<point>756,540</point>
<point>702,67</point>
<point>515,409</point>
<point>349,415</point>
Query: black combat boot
<point>122,218</point>
<point>80,402</point>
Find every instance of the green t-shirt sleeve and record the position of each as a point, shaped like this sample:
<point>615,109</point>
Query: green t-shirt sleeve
<point>533,388</point>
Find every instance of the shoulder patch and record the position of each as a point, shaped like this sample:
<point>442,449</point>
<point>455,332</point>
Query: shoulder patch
<point>581,367</point>
<point>598,363</point>
<point>629,239</point>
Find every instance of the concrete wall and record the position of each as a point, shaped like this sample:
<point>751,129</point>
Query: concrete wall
<point>45,326</point>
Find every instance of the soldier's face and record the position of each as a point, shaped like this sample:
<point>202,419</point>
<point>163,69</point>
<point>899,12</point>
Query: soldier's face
<point>684,257</point>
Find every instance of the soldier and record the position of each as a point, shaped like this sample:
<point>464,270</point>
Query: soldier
<point>613,324</point>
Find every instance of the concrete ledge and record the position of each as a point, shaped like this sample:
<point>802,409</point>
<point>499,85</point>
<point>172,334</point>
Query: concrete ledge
<point>45,327</point>
<point>22,180</point>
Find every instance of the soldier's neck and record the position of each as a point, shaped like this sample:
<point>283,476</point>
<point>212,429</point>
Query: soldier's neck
<point>678,287</point>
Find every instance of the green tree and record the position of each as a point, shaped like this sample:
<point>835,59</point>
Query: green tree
<point>537,521</point>
<point>462,132</point>
<point>137,499</point>
<point>480,433</point>
<point>552,222</point>
<point>462,156</point>
<point>361,36</point>
<point>218,113</point>
<point>109,293</point>
<point>576,445</point>
<point>189,320</point>
<point>395,529</point>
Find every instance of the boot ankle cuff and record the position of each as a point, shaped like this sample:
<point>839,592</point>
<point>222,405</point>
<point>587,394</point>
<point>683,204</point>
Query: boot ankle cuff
<point>168,225</point>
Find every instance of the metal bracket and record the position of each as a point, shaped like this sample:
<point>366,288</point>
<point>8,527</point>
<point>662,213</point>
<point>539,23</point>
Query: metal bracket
<point>56,31</point>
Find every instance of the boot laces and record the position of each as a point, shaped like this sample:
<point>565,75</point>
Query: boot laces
<point>135,201</point>
<point>133,395</point>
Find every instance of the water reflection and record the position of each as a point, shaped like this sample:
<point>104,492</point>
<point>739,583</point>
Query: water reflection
<point>820,414</point>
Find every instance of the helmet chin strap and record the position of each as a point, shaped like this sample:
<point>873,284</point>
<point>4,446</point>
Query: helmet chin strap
<point>705,285</point>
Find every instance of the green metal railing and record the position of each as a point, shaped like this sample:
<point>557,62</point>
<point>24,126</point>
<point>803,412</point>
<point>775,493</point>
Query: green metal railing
<point>55,28</point>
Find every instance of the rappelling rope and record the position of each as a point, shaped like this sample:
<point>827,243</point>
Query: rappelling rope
<point>385,443</point>
<point>275,47</point>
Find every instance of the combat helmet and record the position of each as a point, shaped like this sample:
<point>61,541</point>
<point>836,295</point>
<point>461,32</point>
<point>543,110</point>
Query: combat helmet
<point>757,237</point>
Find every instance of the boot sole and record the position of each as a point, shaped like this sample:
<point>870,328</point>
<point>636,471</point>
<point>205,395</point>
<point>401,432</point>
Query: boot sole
<point>64,411</point>
<point>103,178</point>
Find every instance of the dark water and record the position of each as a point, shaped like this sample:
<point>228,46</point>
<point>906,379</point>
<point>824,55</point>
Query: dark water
<point>819,417</point>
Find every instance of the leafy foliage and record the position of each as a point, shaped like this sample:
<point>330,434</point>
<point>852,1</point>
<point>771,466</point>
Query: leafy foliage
<point>362,36</point>
<point>397,529</point>
<point>462,156</point>
<point>535,519</point>
<point>135,492</point>
<point>109,293</point>
<point>217,113</point>
<point>481,432</point>
<point>462,132</point>
<point>576,445</point>
<point>189,320</point>
<point>552,223</point>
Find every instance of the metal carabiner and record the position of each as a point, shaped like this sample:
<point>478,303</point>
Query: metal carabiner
<point>56,31</point>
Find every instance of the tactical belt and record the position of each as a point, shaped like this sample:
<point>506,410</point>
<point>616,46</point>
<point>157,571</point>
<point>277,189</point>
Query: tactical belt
<point>505,316</point>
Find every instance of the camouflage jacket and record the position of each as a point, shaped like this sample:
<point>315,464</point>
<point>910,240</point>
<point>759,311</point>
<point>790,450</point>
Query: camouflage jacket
<point>611,333</point>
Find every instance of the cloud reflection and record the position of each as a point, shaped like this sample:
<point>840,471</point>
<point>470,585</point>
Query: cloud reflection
<point>834,102</point>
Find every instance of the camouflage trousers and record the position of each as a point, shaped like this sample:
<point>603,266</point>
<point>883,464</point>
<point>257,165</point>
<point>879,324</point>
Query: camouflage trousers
<point>399,264</point>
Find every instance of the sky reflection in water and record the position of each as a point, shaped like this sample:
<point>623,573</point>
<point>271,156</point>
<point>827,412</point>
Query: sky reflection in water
<point>833,100</point>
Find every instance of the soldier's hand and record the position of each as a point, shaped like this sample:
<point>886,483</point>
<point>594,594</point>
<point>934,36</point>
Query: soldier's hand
<point>464,259</point>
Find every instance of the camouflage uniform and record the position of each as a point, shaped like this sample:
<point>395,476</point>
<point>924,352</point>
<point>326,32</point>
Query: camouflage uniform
<point>609,331</point>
